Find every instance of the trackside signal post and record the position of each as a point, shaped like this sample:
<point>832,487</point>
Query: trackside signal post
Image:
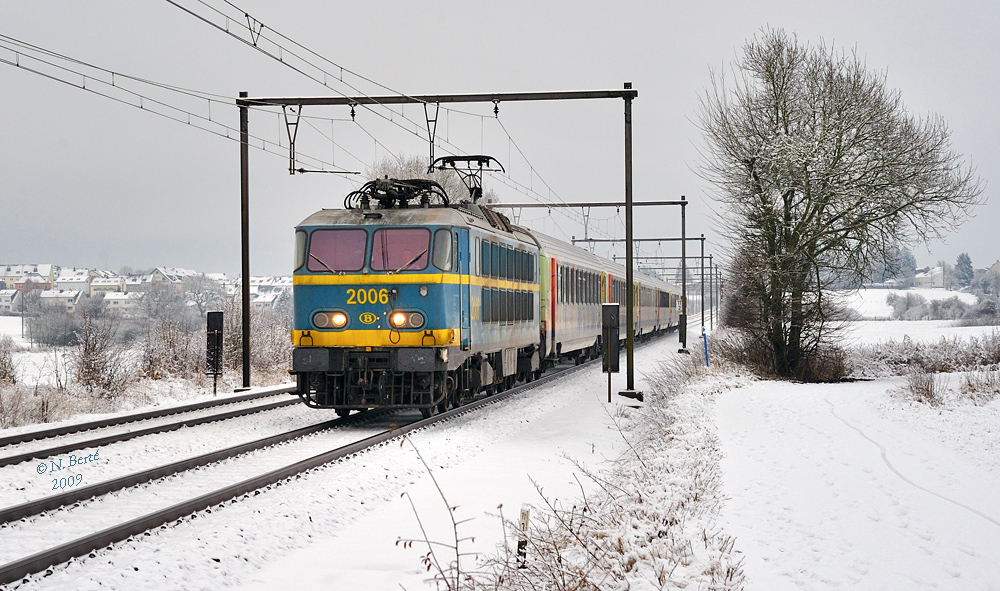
<point>609,338</point>
<point>244,103</point>
<point>213,351</point>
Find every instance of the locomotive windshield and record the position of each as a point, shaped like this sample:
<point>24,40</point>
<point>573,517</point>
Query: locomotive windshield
<point>337,250</point>
<point>400,249</point>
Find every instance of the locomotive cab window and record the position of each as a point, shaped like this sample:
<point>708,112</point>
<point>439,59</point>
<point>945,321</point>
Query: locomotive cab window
<point>300,249</point>
<point>443,249</point>
<point>337,250</point>
<point>400,249</point>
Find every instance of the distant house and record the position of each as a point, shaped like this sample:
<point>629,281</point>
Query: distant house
<point>173,276</point>
<point>74,280</point>
<point>995,268</point>
<point>932,277</point>
<point>31,282</point>
<point>263,301</point>
<point>10,274</point>
<point>101,286</point>
<point>63,299</point>
<point>10,301</point>
<point>137,283</point>
<point>126,304</point>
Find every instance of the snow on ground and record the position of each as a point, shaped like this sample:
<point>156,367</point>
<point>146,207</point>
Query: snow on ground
<point>832,486</point>
<point>871,303</point>
<point>11,326</point>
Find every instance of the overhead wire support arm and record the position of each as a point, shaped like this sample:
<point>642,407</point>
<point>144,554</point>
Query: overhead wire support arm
<point>398,99</point>
<point>585,204</point>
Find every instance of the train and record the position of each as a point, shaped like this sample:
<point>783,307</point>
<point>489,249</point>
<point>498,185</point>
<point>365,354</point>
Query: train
<point>405,299</point>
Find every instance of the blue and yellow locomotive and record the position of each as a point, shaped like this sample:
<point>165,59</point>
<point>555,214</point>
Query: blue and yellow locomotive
<point>405,300</point>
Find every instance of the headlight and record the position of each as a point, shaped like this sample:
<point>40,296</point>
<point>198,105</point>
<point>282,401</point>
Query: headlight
<point>406,320</point>
<point>330,319</point>
<point>398,319</point>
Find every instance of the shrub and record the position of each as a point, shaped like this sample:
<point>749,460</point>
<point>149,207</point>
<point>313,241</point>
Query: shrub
<point>926,387</point>
<point>8,367</point>
<point>20,405</point>
<point>945,355</point>
<point>824,363</point>
<point>981,387</point>
<point>99,364</point>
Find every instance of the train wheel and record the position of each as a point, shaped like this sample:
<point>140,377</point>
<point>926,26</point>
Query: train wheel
<point>425,412</point>
<point>342,412</point>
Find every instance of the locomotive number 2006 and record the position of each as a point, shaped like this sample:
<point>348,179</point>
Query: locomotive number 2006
<point>367,296</point>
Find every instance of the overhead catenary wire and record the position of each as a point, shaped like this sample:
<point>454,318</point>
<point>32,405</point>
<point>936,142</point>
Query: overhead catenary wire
<point>258,33</point>
<point>109,88</point>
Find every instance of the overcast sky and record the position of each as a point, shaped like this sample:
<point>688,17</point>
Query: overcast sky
<point>87,181</point>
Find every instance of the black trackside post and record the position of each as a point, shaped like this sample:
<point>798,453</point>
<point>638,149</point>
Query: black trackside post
<point>245,231</point>
<point>682,328</point>
<point>629,289</point>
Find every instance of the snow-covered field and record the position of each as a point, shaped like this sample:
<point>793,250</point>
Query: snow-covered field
<point>11,326</point>
<point>871,303</point>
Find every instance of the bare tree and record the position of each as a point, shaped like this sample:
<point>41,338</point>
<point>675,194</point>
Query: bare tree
<point>204,293</point>
<point>821,172</point>
<point>99,364</point>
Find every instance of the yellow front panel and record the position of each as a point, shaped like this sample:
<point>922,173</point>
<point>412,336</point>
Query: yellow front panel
<point>376,338</point>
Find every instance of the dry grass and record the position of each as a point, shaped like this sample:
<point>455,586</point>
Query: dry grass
<point>927,387</point>
<point>981,387</point>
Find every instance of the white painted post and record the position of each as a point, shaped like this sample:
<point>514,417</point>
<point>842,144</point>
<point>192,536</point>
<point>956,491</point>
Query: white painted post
<point>522,537</point>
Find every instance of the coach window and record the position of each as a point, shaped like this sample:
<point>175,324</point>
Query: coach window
<point>442,249</point>
<point>495,257</point>
<point>339,250</point>
<point>562,284</point>
<point>486,260</point>
<point>486,311</point>
<point>518,265</point>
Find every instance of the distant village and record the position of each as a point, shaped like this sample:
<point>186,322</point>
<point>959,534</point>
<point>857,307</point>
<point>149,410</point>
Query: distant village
<point>65,287</point>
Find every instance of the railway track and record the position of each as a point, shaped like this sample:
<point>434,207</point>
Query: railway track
<point>287,459</point>
<point>142,416</point>
<point>94,442</point>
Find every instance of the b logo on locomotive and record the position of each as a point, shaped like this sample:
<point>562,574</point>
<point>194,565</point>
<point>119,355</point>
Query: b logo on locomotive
<point>368,318</point>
